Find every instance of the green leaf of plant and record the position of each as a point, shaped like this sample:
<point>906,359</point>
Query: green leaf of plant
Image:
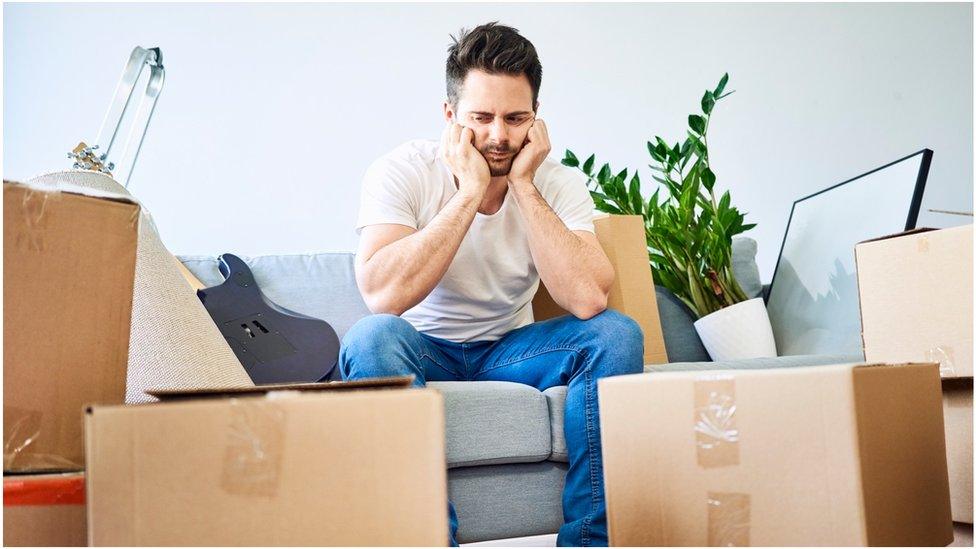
<point>721,85</point>
<point>604,174</point>
<point>707,102</point>
<point>588,165</point>
<point>708,178</point>
<point>697,123</point>
<point>636,200</point>
<point>570,159</point>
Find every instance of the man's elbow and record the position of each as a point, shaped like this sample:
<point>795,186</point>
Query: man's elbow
<point>588,308</point>
<point>379,303</point>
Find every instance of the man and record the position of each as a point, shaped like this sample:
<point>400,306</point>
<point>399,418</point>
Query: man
<point>454,238</point>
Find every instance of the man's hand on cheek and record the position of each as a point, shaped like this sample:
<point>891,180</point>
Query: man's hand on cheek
<point>533,153</point>
<point>465,161</point>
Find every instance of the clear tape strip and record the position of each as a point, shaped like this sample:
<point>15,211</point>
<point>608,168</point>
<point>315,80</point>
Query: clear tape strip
<point>33,207</point>
<point>716,433</point>
<point>945,357</point>
<point>255,446</point>
<point>21,431</point>
<point>728,519</point>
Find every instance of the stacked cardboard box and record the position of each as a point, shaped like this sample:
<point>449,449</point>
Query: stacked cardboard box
<point>69,264</point>
<point>916,292</point>
<point>817,456</point>
<point>312,467</point>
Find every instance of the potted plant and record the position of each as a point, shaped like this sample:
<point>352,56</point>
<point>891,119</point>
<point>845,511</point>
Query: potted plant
<point>689,233</point>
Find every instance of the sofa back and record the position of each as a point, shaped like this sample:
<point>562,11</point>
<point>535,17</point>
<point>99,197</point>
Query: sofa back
<point>324,286</point>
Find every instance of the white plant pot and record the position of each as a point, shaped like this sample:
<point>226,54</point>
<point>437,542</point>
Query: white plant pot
<point>738,331</point>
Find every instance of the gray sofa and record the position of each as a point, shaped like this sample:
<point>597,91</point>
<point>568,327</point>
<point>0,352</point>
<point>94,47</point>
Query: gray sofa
<point>506,452</point>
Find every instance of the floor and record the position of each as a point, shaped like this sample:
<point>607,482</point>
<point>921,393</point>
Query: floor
<point>963,532</point>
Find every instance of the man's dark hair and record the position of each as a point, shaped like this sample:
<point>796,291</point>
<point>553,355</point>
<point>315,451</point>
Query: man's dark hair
<point>495,49</point>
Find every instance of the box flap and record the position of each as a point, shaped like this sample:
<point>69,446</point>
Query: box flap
<point>897,235</point>
<point>76,189</point>
<point>218,392</point>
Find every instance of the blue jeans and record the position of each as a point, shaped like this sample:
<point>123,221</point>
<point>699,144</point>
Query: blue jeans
<point>559,351</point>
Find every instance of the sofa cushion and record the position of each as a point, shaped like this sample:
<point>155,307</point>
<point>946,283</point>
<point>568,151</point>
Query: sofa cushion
<point>492,422</point>
<point>318,285</point>
<point>744,265</point>
<point>556,400</point>
<point>506,501</point>
<point>677,325</point>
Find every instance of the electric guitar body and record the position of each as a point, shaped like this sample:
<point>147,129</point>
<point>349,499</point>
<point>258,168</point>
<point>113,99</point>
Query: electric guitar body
<point>274,344</point>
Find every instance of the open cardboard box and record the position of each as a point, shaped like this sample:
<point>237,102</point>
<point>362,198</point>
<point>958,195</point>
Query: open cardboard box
<point>340,463</point>
<point>844,455</point>
<point>69,267</point>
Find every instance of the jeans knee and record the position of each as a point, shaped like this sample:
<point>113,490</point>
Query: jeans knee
<point>372,342</point>
<point>372,328</point>
<point>619,338</point>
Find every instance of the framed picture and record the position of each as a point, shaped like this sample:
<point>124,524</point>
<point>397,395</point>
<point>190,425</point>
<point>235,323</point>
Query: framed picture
<point>813,301</point>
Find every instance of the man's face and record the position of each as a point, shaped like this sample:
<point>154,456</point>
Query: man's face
<point>498,109</point>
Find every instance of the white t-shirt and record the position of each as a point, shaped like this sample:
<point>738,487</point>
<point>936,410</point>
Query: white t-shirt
<point>488,288</point>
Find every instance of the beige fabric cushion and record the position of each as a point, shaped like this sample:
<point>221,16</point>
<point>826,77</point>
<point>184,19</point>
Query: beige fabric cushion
<point>173,341</point>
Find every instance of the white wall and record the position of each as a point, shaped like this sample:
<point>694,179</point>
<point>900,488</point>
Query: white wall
<point>271,113</point>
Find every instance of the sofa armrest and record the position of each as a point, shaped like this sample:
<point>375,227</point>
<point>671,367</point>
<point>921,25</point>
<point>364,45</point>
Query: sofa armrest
<point>755,363</point>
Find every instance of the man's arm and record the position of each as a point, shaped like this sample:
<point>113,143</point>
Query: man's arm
<point>571,264</point>
<point>398,266</point>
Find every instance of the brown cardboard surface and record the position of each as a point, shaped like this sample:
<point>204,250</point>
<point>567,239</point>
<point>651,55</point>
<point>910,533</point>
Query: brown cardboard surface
<point>957,400</point>
<point>392,382</point>
<point>822,456</point>
<point>68,265</point>
<point>622,238</point>
<point>330,468</point>
<point>916,294</point>
<point>37,514</point>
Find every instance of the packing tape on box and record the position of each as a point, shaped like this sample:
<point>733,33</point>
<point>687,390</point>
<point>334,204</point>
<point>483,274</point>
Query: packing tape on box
<point>728,519</point>
<point>33,207</point>
<point>255,447</point>
<point>54,490</point>
<point>21,430</point>
<point>716,434</point>
<point>945,357</point>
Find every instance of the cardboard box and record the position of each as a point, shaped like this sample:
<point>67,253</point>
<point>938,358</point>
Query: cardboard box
<point>44,510</point>
<point>69,266</point>
<point>363,467</point>
<point>816,456</point>
<point>957,399</point>
<point>622,238</point>
<point>916,293</point>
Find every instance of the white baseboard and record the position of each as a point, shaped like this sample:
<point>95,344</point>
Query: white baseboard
<point>545,540</point>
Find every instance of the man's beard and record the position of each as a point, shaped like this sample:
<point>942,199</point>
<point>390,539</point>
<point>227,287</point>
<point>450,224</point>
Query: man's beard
<point>499,168</point>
